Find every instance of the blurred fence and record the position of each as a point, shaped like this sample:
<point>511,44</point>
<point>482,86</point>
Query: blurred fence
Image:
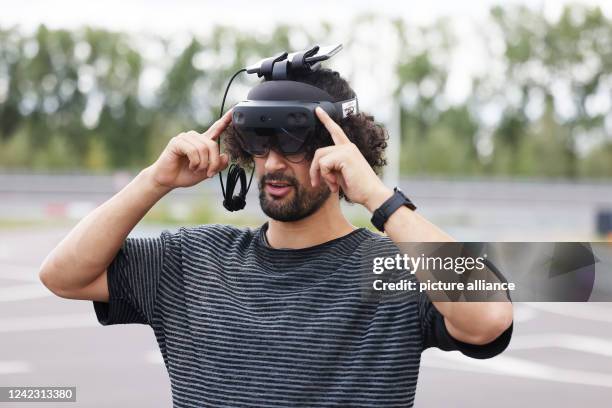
<point>471,209</point>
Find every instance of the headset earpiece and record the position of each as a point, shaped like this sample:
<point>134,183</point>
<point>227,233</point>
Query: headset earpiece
<point>236,202</point>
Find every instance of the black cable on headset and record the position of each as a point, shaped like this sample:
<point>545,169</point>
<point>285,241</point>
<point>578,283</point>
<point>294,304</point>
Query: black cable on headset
<point>235,173</point>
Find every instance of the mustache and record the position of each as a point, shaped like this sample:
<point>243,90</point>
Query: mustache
<point>270,177</point>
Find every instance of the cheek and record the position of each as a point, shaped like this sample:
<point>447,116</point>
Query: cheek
<point>302,173</point>
<point>260,164</point>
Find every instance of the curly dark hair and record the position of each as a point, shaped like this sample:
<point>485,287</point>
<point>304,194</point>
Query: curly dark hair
<point>369,136</point>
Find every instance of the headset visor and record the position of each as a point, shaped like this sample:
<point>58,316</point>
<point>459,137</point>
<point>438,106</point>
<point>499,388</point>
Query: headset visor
<point>259,140</point>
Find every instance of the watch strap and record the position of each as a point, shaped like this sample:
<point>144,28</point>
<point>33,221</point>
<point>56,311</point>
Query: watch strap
<point>382,213</point>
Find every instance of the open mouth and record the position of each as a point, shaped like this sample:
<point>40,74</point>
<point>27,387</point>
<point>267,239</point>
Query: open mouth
<point>278,188</point>
<point>278,184</point>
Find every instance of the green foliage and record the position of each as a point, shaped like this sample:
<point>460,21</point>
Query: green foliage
<point>95,99</point>
<point>599,162</point>
<point>569,61</point>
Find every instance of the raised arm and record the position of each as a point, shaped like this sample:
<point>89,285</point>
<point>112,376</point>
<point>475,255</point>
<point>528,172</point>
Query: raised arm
<point>343,166</point>
<point>76,268</point>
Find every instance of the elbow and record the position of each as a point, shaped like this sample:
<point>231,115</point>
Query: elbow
<point>46,277</point>
<point>493,324</point>
<point>49,277</point>
<point>492,319</point>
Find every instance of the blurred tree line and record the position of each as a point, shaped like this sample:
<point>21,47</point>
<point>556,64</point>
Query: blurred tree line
<point>93,99</point>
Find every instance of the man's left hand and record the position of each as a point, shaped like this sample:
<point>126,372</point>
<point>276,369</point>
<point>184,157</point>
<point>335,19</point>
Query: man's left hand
<point>343,166</point>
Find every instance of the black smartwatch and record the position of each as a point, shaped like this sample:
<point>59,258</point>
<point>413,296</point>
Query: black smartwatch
<point>382,213</point>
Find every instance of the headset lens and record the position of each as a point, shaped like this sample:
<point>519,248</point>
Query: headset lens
<point>291,141</point>
<point>259,141</point>
<point>256,141</point>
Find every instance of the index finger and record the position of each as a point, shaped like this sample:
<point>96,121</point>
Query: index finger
<point>334,129</point>
<point>219,126</point>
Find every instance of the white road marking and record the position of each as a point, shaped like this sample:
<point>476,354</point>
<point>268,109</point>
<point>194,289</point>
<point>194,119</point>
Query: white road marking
<point>23,292</point>
<point>523,313</point>
<point>583,311</point>
<point>5,253</point>
<point>14,367</point>
<point>20,324</point>
<point>575,342</point>
<point>19,273</point>
<point>517,367</point>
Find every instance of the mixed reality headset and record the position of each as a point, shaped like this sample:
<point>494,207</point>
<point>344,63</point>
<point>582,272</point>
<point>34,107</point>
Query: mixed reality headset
<point>279,113</point>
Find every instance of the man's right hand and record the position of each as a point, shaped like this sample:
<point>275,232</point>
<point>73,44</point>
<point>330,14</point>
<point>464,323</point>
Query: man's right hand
<point>191,157</point>
<point>76,268</point>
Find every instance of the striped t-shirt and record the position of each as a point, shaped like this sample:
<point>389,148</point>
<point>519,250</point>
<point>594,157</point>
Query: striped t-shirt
<point>241,324</point>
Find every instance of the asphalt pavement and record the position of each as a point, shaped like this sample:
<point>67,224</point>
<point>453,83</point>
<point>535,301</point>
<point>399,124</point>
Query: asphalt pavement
<point>560,355</point>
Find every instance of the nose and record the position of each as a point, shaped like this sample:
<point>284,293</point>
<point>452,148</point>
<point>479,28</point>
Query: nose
<point>275,162</point>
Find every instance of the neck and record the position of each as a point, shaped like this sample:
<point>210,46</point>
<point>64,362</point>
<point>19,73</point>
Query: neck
<point>326,224</point>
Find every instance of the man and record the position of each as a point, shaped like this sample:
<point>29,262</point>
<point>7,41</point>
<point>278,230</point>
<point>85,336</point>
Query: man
<point>272,316</point>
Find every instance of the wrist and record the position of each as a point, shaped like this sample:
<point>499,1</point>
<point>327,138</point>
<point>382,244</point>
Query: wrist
<point>151,185</point>
<point>378,197</point>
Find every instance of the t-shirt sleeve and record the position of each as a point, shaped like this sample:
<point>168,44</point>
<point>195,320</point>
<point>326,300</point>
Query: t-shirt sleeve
<point>435,334</point>
<point>133,278</point>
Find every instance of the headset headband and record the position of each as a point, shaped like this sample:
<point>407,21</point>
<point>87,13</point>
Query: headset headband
<point>300,91</point>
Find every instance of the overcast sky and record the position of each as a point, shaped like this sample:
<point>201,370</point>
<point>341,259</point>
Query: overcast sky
<point>166,16</point>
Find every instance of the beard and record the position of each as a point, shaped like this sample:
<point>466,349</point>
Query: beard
<point>292,207</point>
